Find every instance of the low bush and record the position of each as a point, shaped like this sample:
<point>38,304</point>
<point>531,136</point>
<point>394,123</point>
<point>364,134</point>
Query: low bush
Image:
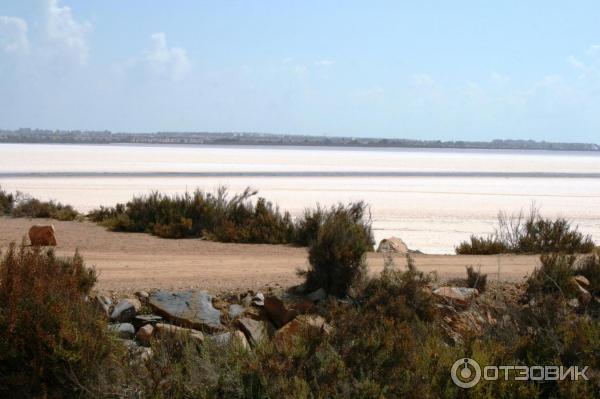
<point>337,254</point>
<point>217,216</point>
<point>531,234</point>
<point>26,206</point>
<point>7,201</point>
<point>476,279</point>
<point>553,276</point>
<point>481,246</point>
<point>53,343</point>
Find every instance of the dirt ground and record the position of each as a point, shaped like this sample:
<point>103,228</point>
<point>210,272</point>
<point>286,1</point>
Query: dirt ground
<point>132,261</point>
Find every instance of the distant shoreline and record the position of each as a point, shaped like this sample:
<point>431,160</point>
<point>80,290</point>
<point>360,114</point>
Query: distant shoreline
<point>550,175</point>
<point>38,136</point>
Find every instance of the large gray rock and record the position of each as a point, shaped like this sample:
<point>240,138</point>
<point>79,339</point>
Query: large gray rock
<point>126,310</point>
<point>189,308</point>
<point>236,310</point>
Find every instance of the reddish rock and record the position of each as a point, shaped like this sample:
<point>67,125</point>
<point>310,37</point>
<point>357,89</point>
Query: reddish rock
<point>285,336</point>
<point>277,312</point>
<point>144,334</point>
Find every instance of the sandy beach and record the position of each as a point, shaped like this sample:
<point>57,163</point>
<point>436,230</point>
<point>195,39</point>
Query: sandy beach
<point>132,261</point>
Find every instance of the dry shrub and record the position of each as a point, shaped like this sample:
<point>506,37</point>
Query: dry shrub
<point>529,234</point>
<point>476,279</point>
<point>53,342</point>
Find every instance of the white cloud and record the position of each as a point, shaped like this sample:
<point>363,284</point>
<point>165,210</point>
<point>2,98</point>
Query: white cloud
<point>64,33</point>
<point>163,60</point>
<point>324,63</point>
<point>13,35</point>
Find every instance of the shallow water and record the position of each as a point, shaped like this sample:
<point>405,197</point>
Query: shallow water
<point>432,199</point>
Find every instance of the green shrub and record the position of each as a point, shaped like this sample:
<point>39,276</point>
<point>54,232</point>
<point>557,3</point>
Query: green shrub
<point>481,246</point>
<point>476,279</point>
<point>531,234</point>
<point>7,202</point>
<point>53,343</point>
<point>337,255</point>
<point>217,216</point>
<point>553,276</point>
<point>307,227</point>
<point>33,208</point>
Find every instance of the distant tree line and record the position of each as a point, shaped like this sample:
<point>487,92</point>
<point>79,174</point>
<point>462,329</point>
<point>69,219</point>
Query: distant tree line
<point>242,138</point>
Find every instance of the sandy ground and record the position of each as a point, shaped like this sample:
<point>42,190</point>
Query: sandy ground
<point>132,261</point>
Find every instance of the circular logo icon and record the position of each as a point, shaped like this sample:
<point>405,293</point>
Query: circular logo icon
<point>465,373</point>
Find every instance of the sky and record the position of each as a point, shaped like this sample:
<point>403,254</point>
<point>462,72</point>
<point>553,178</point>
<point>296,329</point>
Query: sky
<point>469,70</point>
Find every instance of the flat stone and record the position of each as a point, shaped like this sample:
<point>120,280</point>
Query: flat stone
<point>192,309</point>
<point>143,319</point>
<point>123,330</point>
<point>236,310</point>
<point>317,295</point>
<point>459,295</point>
<point>163,329</point>
<point>126,309</point>
<point>255,330</point>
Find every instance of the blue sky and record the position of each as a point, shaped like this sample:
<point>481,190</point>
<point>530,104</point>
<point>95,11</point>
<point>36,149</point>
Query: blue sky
<point>425,70</point>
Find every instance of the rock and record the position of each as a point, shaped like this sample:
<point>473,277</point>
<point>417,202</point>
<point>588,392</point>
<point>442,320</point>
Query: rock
<point>124,330</point>
<point>42,236</point>
<point>192,309</point>
<point>582,281</point>
<point>456,295</point>
<point>259,299</point>
<point>302,305</point>
<point>284,337</point>
<point>163,329</point>
<point>144,334</point>
<point>583,295</point>
<point>277,312</point>
<point>103,303</point>
<point>142,296</point>
<point>231,338</point>
<point>317,295</point>
<point>126,309</point>
<point>236,310</point>
<point>247,300</point>
<point>392,245</point>
<point>238,338</point>
<point>143,319</point>
<point>254,330</point>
